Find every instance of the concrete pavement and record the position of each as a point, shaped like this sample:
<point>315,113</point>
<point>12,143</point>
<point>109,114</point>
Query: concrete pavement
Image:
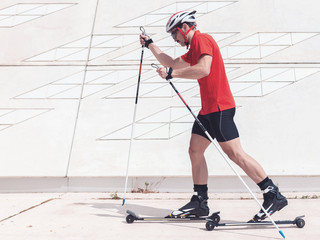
<point>83,216</point>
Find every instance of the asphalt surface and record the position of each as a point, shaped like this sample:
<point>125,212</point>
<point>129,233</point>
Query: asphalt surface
<point>77,216</point>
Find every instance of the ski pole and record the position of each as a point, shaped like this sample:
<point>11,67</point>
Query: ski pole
<point>134,119</point>
<point>221,152</point>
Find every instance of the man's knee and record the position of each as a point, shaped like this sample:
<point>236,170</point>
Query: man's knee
<point>237,156</point>
<point>194,151</point>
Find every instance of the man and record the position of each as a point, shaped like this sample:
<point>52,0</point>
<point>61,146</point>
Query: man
<point>203,62</point>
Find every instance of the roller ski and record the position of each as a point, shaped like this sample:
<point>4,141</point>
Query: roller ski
<point>298,221</point>
<point>196,210</point>
<point>131,217</point>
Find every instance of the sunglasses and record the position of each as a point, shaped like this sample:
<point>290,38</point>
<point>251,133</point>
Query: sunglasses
<point>174,34</point>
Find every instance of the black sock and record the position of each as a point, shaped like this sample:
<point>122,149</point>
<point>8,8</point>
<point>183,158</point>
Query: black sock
<point>265,183</point>
<point>202,190</point>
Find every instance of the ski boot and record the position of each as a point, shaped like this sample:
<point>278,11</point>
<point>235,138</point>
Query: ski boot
<point>197,207</point>
<point>273,201</point>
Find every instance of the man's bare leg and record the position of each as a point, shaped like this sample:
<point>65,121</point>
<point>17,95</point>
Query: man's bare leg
<point>248,164</point>
<point>198,204</point>
<point>198,146</point>
<point>273,199</point>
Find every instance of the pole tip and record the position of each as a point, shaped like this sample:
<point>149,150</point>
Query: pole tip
<point>282,234</point>
<point>123,201</point>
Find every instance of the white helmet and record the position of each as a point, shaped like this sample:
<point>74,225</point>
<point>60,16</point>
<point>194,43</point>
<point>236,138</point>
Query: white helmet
<point>179,18</point>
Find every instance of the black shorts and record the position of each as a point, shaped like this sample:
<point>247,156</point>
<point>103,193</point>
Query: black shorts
<point>220,125</point>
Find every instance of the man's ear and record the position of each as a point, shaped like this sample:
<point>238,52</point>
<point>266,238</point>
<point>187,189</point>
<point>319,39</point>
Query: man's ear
<point>185,27</point>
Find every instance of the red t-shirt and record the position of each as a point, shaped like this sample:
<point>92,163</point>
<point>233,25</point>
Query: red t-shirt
<point>214,89</point>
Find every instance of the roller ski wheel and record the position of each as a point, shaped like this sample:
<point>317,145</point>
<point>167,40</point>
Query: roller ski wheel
<point>130,218</point>
<point>300,223</point>
<point>215,218</point>
<point>210,225</point>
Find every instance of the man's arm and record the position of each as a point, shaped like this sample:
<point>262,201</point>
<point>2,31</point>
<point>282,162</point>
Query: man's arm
<point>200,70</point>
<point>164,59</point>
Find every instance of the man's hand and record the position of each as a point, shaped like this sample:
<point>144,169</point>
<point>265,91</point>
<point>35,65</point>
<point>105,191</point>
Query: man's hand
<point>143,39</point>
<point>162,72</point>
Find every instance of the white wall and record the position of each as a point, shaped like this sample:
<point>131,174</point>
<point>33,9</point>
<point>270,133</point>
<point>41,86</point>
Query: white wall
<point>271,53</point>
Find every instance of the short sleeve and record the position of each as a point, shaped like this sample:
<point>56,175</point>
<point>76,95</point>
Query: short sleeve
<point>201,44</point>
<point>203,47</point>
<point>186,57</point>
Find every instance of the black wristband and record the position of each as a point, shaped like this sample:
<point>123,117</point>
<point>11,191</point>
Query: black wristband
<point>169,72</point>
<point>149,41</point>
